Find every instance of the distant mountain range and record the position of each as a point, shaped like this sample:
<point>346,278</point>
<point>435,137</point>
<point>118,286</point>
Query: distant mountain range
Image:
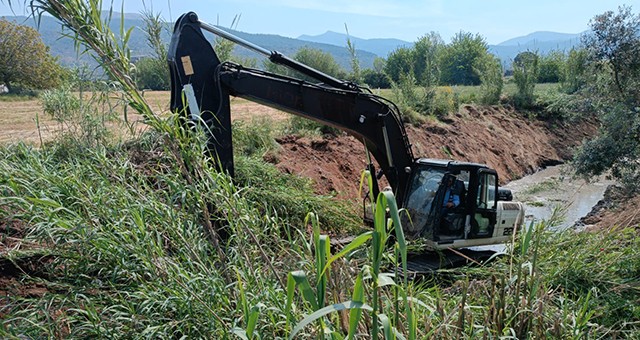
<point>380,47</point>
<point>331,42</point>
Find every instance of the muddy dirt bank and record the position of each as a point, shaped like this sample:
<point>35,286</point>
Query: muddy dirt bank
<point>497,136</point>
<point>616,208</point>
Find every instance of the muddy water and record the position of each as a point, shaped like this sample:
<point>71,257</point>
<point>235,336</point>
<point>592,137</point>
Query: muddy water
<point>554,189</point>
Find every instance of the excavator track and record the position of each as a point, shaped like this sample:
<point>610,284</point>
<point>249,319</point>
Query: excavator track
<point>430,262</point>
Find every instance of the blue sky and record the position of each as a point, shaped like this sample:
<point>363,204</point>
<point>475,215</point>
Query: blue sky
<point>496,20</point>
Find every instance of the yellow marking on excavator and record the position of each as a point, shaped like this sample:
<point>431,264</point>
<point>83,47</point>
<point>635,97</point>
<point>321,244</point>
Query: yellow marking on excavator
<point>186,65</point>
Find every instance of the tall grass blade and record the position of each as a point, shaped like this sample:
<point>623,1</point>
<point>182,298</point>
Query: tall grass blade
<point>252,320</point>
<point>301,281</point>
<point>327,310</point>
<point>322,253</point>
<point>353,245</point>
<point>356,313</point>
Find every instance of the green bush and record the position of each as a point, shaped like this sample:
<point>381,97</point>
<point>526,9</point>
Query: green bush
<point>305,127</point>
<point>375,79</point>
<point>573,77</point>
<point>60,104</point>
<point>525,74</point>
<point>82,121</point>
<point>152,74</point>
<point>255,138</point>
<point>410,99</point>
<point>490,70</point>
<point>551,68</point>
<point>444,102</point>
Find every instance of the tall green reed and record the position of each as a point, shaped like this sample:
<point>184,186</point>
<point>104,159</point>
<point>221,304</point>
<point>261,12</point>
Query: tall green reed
<point>369,281</point>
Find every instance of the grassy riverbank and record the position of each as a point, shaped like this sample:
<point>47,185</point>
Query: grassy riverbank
<point>114,240</point>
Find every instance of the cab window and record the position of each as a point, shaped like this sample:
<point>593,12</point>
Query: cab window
<point>424,187</point>
<point>486,191</point>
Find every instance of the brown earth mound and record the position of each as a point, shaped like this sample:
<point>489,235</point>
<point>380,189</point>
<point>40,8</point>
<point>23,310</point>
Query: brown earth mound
<point>497,136</point>
<point>617,208</point>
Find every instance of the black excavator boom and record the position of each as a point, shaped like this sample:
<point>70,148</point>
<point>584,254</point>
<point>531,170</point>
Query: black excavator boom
<point>201,85</point>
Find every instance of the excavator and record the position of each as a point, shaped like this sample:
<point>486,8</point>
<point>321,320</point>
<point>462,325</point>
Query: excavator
<point>480,213</point>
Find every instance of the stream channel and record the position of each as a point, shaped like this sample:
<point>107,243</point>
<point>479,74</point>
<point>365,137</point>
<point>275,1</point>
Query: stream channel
<point>554,188</point>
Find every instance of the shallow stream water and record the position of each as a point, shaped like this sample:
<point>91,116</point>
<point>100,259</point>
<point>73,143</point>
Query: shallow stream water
<point>554,188</point>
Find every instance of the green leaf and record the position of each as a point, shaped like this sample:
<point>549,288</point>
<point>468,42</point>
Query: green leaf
<point>243,297</point>
<point>385,279</point>
<point>355,243</point>
<point>291,287</point>
<point>127,35</point>
<point>240,333</point>
<point>366,175</point>
<point>386,326</point>
<point>356,313</point>
<point>302,283</point>
<point>322,253</point>
<point>390,332</point>
<point>526,240</point>
<point>252,320</point>
<point>326,310</point>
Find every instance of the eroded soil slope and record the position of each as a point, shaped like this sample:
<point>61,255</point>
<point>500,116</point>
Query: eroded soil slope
<point>497,136</point>
<point>617,208</point>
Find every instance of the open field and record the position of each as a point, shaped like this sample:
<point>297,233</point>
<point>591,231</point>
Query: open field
<point>21,117</point>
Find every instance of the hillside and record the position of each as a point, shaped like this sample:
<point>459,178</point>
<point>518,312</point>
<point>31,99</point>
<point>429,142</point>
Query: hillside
<point>289,46</point>
<point>542,42</point>
<point>381,47</point>
<point>330,42</point>
<point>63,47</point>
<point>542,37</point>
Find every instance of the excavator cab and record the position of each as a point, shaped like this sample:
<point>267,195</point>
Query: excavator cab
<point>455,204</point>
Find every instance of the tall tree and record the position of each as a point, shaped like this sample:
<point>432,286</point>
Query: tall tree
<point>525,75</point>
<point>614,47</point>
<point>458,58</point>
<point>551,67</point>
<point>489,68</point>
<point>574,70</point>
<point>399,63</point>
<point>376,77</point>
<point>321,61</point>
<point>25,59</point>
<point>425,59</point>
<point>612,50</point>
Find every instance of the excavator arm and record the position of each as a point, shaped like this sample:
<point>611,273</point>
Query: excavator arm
<point>201,85</point>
